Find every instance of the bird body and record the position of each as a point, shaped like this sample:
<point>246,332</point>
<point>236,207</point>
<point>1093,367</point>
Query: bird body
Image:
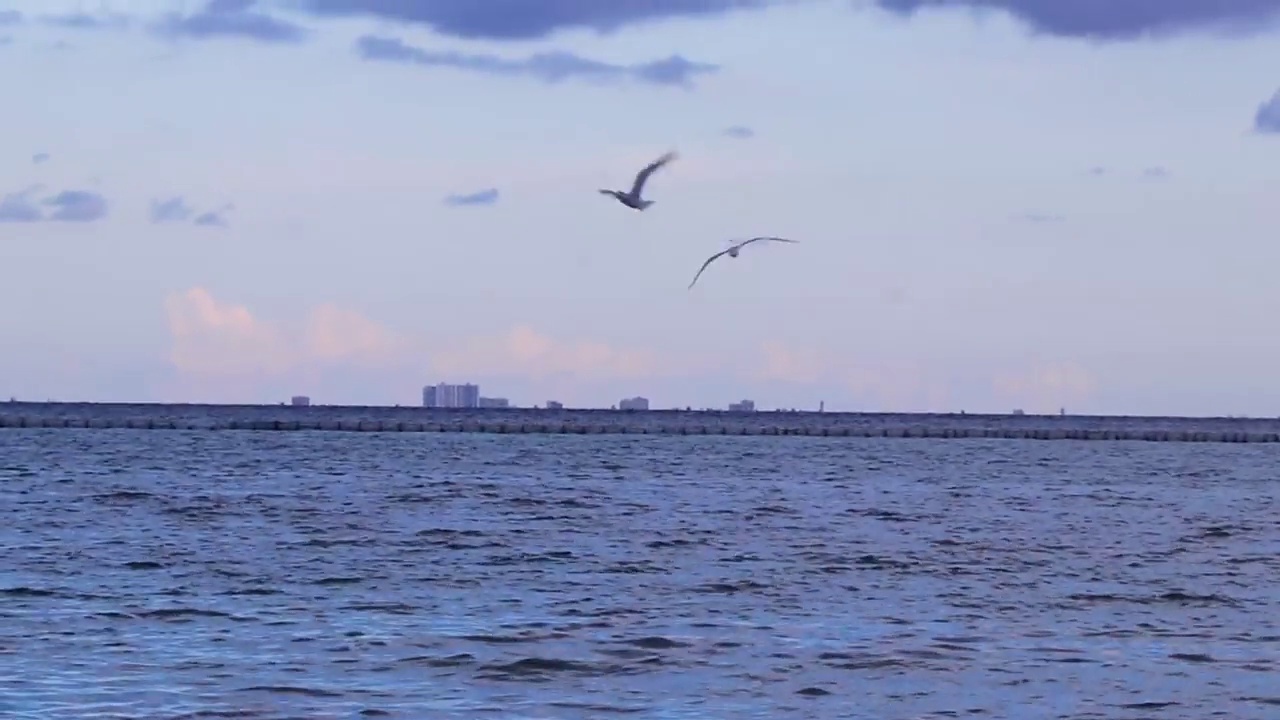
<point>733,250</point>
<point>632,198</point>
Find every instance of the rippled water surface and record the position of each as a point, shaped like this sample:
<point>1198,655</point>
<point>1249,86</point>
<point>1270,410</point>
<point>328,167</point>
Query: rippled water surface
<point>314,575</point>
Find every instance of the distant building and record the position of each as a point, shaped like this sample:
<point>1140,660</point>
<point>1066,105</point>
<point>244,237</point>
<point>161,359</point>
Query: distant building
<point>635,403</point>
<point>494,403</point>
<point>445,395</point>
<point>744,406</point>
<point>554,405</point>
<point>300,401</point>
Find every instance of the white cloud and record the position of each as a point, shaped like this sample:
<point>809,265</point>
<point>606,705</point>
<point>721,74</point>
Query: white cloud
<point>1045,389</point>
<point>223,349</point>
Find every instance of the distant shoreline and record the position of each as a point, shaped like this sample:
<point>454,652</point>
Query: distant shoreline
<point>511,411</point>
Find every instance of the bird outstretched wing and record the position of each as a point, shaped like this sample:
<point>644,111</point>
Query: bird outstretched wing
<point>768,237</point>
<point>643,175</point>
<point>708,262</point>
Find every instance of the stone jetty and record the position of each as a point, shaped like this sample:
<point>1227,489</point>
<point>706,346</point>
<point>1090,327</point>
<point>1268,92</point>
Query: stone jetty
<point>586,422</point>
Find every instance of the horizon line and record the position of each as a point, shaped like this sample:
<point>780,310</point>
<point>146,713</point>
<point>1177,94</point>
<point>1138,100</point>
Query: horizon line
<point>513,409</point>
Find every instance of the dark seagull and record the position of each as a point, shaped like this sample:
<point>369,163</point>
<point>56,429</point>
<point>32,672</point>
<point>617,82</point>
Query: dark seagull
<point>632,197</point>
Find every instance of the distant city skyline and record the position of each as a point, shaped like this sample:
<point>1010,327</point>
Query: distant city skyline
<point>1002,204</point>
<point>447,395</point>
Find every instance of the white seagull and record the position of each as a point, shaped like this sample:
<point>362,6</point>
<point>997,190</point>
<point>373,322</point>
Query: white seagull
<point>632,198</point>
<point>732,251</point>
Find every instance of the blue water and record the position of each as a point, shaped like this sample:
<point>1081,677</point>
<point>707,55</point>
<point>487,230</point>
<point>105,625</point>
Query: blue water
<point>333,575</point>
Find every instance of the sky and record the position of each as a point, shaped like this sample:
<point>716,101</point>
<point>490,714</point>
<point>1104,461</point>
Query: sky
<point>999,203</point>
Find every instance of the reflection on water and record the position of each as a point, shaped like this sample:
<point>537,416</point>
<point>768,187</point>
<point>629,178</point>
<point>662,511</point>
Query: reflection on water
<point>316,575</point>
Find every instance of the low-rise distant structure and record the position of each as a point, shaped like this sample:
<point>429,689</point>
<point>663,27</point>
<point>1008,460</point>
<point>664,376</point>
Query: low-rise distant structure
<point>555,405</point>
<point>487,402</point>
<point>635,403</point>
<point>744,406</point>
<point>300,401</point>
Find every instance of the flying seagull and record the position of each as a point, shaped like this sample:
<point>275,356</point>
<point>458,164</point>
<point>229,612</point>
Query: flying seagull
<point>732,251</point>
<point>632,198</point>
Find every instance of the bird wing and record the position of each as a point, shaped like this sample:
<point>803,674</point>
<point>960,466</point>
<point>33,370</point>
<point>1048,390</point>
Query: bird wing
<point>768,237</point>
<point>705,264</point>
<point>643,175</point>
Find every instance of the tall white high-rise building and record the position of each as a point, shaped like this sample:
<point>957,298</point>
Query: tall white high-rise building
<point>445,395</point>
<point>635,403</point>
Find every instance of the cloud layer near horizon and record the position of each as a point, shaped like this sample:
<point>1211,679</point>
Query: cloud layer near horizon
<point>223,350</point>
<point>225,343</point>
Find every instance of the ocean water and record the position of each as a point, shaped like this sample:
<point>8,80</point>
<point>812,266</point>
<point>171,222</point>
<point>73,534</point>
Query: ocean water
<point>332,575</point>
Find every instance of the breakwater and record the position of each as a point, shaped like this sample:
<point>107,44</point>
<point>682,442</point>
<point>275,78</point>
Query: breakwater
<point>657,422</point>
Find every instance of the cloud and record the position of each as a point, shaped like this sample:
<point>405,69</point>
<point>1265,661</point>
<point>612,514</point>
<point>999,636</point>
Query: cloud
<point>40,157</point>
<point>213,338</point>
<point>527,353</point>
<point>1115,19</point>
<point>1045,389</point>
<point>176,210</point>
<point>230,18</point>
<point>18,208</point>
<point>1156,173</point>
<point>739,131</point>
<point>10,17</point>
<point>483,197</point>
<point>550,67</point>
<point>223,350</point>
<point>1267,120</point>
<point>864,383</point>
<point>78,206</point>
<point>525,19</point>
<point>213,218</point>
<point>85,21</point>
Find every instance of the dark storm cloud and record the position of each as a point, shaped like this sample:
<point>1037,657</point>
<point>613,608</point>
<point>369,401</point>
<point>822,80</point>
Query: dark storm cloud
<point>525,19</point>
<point>1116,19</point>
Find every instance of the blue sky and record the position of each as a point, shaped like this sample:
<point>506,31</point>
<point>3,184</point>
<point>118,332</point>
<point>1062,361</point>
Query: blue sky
<point>999,203</point>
